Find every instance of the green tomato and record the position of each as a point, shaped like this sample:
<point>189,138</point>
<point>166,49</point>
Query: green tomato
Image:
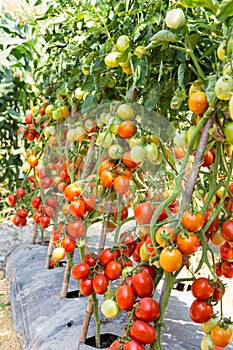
<point>109,308</point>
<point>227,69</point>
<point>190,132</point>
<point>221,51</point>
<point>122,43</point>
<point>125,112</point>
<point>224,88</point>
<point>175,18</point>
<point>105,139</point>
<point>180,138</point>
<point>115,151</point>
<point>56,114</point>
<point>126,271</point>
<point>152,152</point>
<point>79,94</point>
<point>208,325</point>
<point>207,343</point>
<point>138,153</point>
<point>111,59</point>
<point>228,132</point>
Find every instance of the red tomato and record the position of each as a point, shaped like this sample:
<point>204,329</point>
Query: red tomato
<point>23,213</point>
<point>91,259</point>
<point>90,202</point>
<point>126,129</point>
<point>143,332</point>
<point>113,270</point>
<point>100,284</point>
<point>147,309</point>
<point>77,208</point>
<point>121,184</point>
<point>227,230</point>
<point>136,253</point>
<point>227,269</point>
<point>143,213</point>
<point>151,270</point>
<point>52,202</point>
<point>23,221</point>
<point>20,192</point>
<point>221,336</point>
<point>208,159</point>
<point>36,217</point>
<point>69,244</point>
<point>188,243</point>
<point>214,226</point>
<point>49,211</point>
<point>193,222</point>
<point>46,182</point>
<point>12,199</point>
<point>116,345</point>
<point>218,269</point>
<point>125,297</point>
<point>149,246</point>
<point>75,229</point>
<point>108,255</point>
<point>202,289</point>
<point>123,213</point>
<point>226,251</point>
<point>80,271</point>
<point>35,202</point>
<point>218,292</point>
<point>44,221</point>
<point>71,191</point>
<point>17,220</point>
<point>200,311</point>
<point>142,284</point>
<point>86,287</point>
<point>133,345</point>
<point>228,203</point>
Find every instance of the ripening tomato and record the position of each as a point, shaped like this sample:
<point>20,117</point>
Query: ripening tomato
<point>126,129</point>
<point>86,286</point>
<point>202,288</point>
<point>71,191</point>
<point>33,161</point>
<point>113,270</point>
<point>221,336</point>
<point>20,192</point>
<point>170,259</point>
<point>193,222</point>
<point>100,284</point>
<point>227,230</point>
<point>127,160</point>
<point>165,235</point>
<point>49,211</point>
<point>80,271</point>
<point>58,253</point>
<point>187,242</point>
<point>147,309</point>
<point>143,213</point>
<point>44,221</point>
<point>133,345</point>
<point>123,213</point>
<point>69,244</point>
<point>121,184</point>
<point>12,199</point>
<point>197,102</point>
<point>108,255</point>
<point>77,208</point>
<point>125,297</point>
<point>106,178</point>
<point>143,332</point>
<point>208,325</point>
<point>75,229</point>
<point>142,284</point>
<point>90,202</point>
<point>217,238</point>
<point>200,311</point>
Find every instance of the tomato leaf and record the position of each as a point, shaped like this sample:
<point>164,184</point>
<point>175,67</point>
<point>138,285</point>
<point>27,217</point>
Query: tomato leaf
<point>225,10</point>
<point>160,37</point>
<point>210,4</point>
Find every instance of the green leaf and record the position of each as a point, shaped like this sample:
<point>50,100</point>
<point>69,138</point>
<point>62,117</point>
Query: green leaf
<point>225,10</point>
<point>162,36</point>
<point>210,4</point>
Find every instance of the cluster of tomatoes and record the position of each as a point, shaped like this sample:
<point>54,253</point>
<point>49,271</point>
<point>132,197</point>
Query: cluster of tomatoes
<point>20,218</point>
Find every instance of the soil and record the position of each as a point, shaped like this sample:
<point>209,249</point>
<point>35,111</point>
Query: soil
<point>10,236</point>
<point>9,339</point>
